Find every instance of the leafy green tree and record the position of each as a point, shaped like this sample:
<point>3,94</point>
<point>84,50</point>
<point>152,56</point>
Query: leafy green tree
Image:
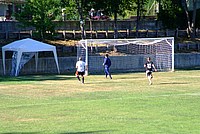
<point>70,9</point>
<point>110,7</point>
<point>191,16</point>
<point>80,6</point>
<point>114,8</point>
<point>171,14</point>
<point>176,14</point>
<point>40,15</point>
<point>140,11</point>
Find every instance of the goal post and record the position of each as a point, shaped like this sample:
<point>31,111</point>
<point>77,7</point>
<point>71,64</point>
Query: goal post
<point>82,51</point>
<point>161,50</point>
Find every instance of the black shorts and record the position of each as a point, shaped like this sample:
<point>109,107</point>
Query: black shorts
<point>148,73</point>
<point>81,73</point>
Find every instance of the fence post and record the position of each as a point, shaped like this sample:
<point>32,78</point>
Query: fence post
<point>84,33</point>
<point>106,33</point>
<point>166,32</point>
<point>179,46</point>
<point>176,33</point>
<point>19,36</point>
<point>6,35</point>
<point>147,33</point>
<point>156,32</point>
<point>74,34</point>
<point>188,46</point>
<point>96,34</point>
<point>31,33</point>
<point>64,35</point>
<point>127,33</point>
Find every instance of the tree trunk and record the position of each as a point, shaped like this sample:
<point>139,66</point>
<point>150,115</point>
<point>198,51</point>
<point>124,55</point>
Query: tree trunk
<point>138,17</point>
<point>79,7</point>
<point>193,19</point>
<point>184,4</point>
<point>115,26</point>
<point>190,21</point>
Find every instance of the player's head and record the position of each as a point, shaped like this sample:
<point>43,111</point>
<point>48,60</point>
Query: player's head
<point>80,58</point>
<point>106,55</point>
<point>148,58</point>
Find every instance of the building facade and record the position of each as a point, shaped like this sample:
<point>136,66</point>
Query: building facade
<point>8,8</point>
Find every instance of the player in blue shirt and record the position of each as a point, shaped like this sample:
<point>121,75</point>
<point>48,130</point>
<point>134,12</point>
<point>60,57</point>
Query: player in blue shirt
<point>149,69</point>
<point>107,64</point>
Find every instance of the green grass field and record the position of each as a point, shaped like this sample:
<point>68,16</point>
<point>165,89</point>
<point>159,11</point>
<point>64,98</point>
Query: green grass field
<point>124,105</point>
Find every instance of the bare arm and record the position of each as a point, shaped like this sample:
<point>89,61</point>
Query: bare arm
<point>154,67</point>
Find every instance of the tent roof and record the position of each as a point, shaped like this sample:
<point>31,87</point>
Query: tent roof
<point>28,45</point>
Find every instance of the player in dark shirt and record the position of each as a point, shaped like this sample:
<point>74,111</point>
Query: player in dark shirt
<point>149,69</point>
<point>107,64</point>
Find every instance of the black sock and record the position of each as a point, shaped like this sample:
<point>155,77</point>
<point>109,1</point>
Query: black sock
<point>78,78</point>
<point>83,80</point>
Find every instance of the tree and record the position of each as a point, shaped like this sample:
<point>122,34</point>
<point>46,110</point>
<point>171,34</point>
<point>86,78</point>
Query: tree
<point>176,14</point>
<point>70,9</point>
<point>80,6</point>
<point>111,7</point>
<point>171,14</point>
<point>140,10</point>
<point>40,14</point>
<point>191,19</point>
<point>79,9</point>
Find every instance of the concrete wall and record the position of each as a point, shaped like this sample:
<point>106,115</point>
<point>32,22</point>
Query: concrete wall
<point>96,25</point>
<point>187,60</point>
<point>119,63</point>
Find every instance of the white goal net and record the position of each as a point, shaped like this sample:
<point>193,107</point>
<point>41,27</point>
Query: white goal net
<point>161,50</point>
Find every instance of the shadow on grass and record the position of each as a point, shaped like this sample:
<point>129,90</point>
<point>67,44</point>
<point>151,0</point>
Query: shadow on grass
<point>130,78</point>
<point>89,132</point>
<point>118,72</point>
<point>174,83</point>
<point>21,133</point>
<point>188,69</point>
<point>35,78</point>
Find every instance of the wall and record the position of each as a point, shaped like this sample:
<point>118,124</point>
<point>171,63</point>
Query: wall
<point>119,63</point>
<point>187,60</point>
<point>96,25</point>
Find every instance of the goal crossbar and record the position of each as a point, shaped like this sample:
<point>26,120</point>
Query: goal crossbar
<point>162,49</point>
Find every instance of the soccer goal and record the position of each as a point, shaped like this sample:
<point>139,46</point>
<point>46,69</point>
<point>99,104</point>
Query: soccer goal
<point>161,50</point>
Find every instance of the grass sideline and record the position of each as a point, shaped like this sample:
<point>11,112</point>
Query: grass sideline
<point>124,105</point>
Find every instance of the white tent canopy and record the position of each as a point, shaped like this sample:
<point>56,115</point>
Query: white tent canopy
<point>26,46</point>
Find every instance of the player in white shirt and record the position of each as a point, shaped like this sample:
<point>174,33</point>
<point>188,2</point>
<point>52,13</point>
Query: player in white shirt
<point>81,67</point>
